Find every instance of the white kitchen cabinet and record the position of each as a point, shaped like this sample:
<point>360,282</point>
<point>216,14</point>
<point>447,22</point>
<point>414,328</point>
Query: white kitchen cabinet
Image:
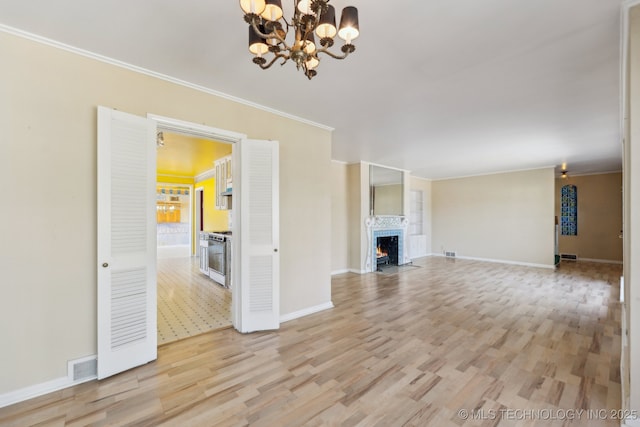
<point>203,251</point>
<point>224,183</point>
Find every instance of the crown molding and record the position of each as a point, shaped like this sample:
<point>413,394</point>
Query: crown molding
<point>493,173</point>
<point>571,175</point>
<point>211,173</point>
<point>105,59</point>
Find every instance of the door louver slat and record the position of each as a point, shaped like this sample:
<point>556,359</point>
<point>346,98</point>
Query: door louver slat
<point>261,283</point>
<point>128,307</point>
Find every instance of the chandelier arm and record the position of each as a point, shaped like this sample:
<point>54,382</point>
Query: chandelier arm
<point>309,29</point>
<point>275,58</point>
<point>286,23</point>
<point>326,51</point>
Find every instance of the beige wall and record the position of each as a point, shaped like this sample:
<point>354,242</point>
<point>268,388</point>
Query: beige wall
<point>48,100</point>
<point>339,217</point>
<point>354,210</point>
<point>506,217</point>
<point>599,217</point>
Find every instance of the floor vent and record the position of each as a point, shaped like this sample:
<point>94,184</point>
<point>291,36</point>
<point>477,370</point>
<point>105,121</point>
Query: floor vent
<point>450,254</point>
<point>569,257</point>
<point>83,368</point>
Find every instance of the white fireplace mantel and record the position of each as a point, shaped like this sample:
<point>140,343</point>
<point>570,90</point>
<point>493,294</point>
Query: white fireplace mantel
<point>386,223</point>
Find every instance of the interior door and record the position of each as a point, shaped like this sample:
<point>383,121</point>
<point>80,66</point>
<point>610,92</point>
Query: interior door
<point>256,278</point>
<point>127,332</point>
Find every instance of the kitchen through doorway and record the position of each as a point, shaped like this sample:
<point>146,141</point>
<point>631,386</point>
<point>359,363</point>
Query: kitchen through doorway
<point>189,302</point>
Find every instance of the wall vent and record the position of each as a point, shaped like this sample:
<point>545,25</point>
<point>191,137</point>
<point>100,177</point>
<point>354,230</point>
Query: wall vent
<point>569,257</point>
<point>450,254</point>
<point>83,369</point>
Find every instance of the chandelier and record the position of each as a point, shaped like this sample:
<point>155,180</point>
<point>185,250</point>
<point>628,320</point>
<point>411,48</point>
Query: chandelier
<point>268,30</point>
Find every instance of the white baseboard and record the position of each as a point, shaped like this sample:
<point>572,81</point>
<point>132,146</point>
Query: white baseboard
<point>602,261</point>
<point>41,389</point>
<point>346,270</point>
<point>501,261</point>
<point>30,392</point>
<point>305,312</point>
<point>422,256</point>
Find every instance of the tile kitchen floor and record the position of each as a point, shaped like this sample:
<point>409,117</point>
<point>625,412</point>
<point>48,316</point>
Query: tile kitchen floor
<point>189,303</point>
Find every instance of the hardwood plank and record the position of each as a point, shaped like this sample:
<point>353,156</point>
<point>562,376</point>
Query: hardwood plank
<point>411,348</point>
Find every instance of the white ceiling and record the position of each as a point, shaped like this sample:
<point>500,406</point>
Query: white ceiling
<point>442,88</point>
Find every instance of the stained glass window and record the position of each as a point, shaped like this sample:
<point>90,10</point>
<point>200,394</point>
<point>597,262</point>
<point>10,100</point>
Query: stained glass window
<point>569,211</point>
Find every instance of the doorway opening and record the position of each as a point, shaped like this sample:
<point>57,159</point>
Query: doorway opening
<point>190,302</point>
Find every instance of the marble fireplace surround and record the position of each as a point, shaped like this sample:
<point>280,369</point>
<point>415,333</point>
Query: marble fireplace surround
<point>382,226</point>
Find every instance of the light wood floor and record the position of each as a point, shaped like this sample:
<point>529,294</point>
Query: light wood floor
<point>413,348</point>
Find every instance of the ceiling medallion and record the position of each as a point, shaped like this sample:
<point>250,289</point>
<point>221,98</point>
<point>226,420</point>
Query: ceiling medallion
<point>268,31</point>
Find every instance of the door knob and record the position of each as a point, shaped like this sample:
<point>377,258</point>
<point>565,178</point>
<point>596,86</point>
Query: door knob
<point>105,264</point>
<point>275,250</point>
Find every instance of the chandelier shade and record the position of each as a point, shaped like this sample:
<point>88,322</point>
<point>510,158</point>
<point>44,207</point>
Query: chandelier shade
<point>327,25</point>
<point>309,44</point>
<point>257,45</point>
<point>304,6</point>
<point>349,28</point>
<point>272,10</point>
<point>272,37</point>
<point>253,6</point>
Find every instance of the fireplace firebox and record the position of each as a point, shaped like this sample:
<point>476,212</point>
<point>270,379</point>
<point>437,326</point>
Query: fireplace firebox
<point>386,250</point>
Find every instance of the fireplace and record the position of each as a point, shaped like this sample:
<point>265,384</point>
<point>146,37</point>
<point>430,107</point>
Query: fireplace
<point>386,226</point>
<point>386,250</point>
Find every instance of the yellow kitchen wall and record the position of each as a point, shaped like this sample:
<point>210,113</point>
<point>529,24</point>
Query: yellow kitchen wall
<point>174,179</point>
<point>48,116</point>
<point>212,219</point>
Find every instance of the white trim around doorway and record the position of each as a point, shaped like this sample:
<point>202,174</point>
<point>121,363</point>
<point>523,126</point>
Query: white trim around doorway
<point>203,131</point>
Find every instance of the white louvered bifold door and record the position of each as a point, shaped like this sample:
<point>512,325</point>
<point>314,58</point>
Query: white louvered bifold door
<point>257,289</point>
<point>127,332</point>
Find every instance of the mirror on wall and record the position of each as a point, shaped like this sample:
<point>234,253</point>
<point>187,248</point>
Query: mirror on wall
<point>385,191</point>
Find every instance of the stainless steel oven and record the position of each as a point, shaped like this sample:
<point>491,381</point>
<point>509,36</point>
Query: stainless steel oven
<point>219,256</point>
